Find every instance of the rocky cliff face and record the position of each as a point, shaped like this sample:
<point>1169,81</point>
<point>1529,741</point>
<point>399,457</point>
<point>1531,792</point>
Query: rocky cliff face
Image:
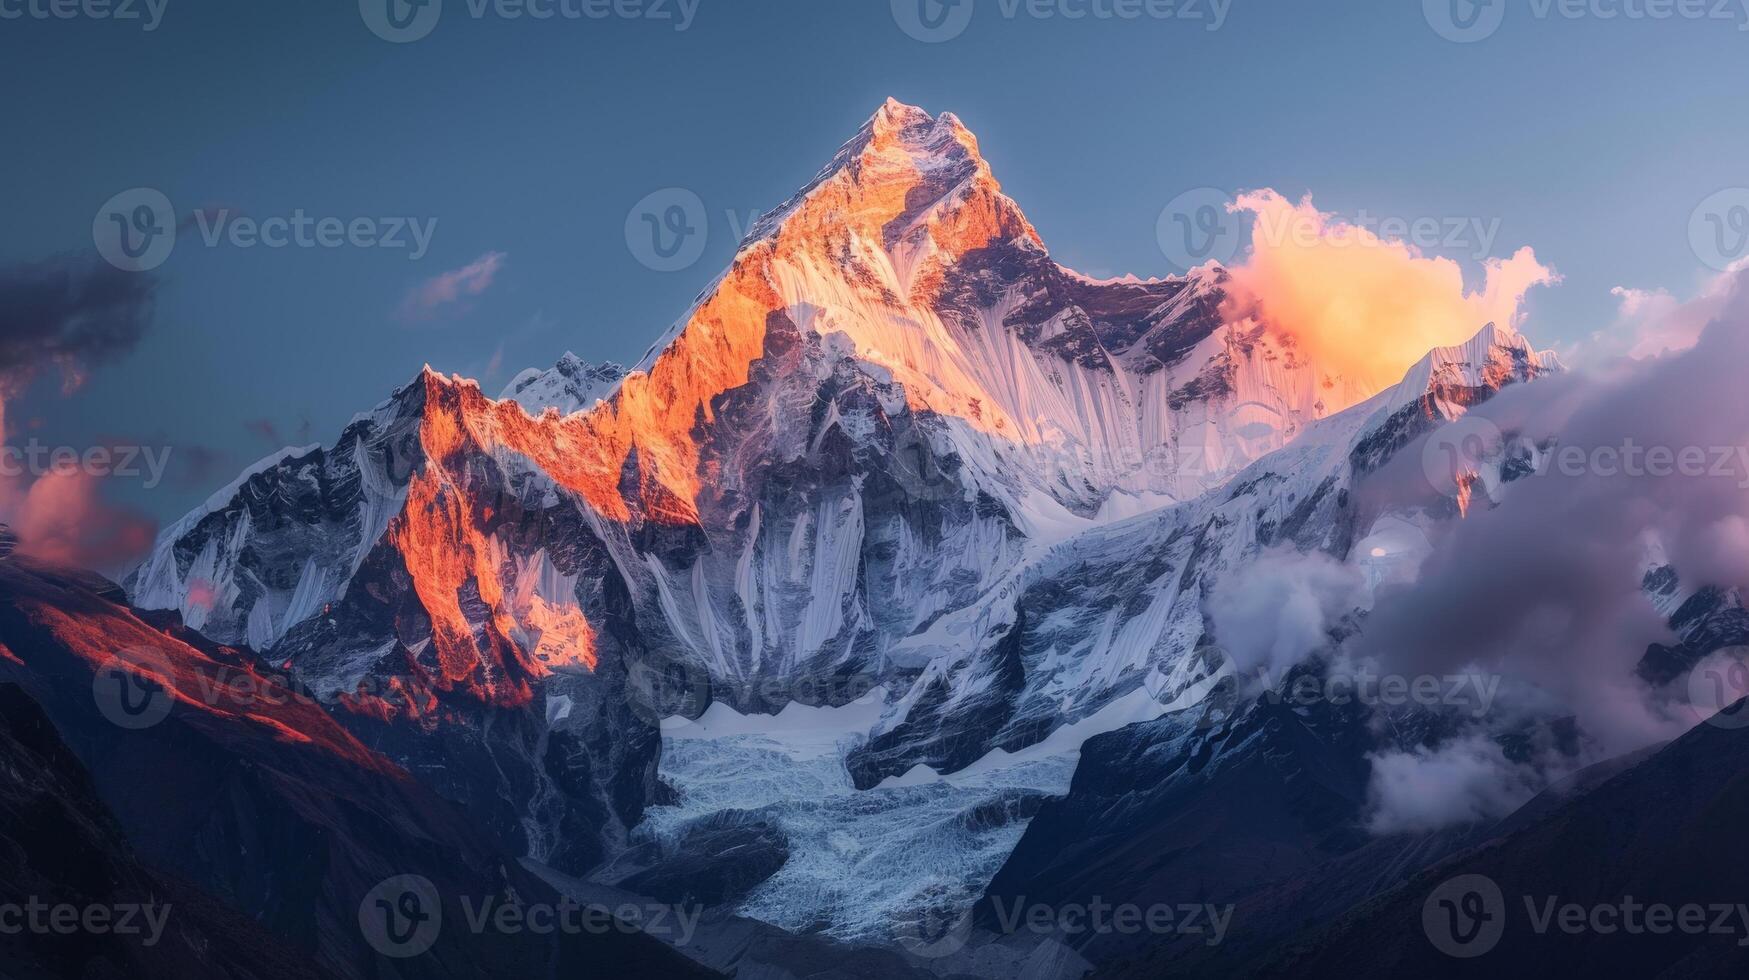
<point>168,761</point>
<point>894,448</point>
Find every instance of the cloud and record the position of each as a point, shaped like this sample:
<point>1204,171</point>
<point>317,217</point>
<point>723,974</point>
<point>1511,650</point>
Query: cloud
<point>1273,612</point>
<point>1361,306</point>
<point>1546,587</point>
<point>265,430</point>
<point>432,296</point>
<point>200,466</point>
<point>60,517</point>
<point>1463,781</point>
<point>1654,322</point>
<point>67,314</point>
<point>268,432</point>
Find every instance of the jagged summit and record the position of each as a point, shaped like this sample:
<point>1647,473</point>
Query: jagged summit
<point>1455,377</point>
<point>855,437</point>
<point>901,154</point>
<point>571,385</point>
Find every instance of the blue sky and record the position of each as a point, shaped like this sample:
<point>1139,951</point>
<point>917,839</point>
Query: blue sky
<point>1591,138</point>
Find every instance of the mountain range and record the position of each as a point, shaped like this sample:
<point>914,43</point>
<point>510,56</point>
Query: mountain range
<point>876,601</point>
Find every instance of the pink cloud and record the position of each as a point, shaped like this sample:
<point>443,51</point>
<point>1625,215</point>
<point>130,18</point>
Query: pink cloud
<point>61,517</point>
<point>431,296</point>
<point>1362,306</point>
<point>1650,323</point>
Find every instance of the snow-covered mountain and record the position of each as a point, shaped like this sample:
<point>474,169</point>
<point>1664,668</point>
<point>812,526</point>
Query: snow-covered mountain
<point>896,335</point>
<point>571,385</point>
<point>895,447</point>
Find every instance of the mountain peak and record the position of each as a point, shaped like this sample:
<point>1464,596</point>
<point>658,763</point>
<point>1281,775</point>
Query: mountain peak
<point>902,162</point>
<point>1453,378</point>
<point>571,385</point>
<point>893,116</point>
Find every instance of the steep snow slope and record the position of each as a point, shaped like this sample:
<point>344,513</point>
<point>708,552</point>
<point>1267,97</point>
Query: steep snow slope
<point>852,433</point>
<point>894,442</point>
<point>1120,607</point>
<point>572,385</point>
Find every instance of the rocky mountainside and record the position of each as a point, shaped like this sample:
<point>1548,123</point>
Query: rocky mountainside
<point>896,472</point>
<point>61,846</point>
<point>217,766</point>
<point>1655,833</point>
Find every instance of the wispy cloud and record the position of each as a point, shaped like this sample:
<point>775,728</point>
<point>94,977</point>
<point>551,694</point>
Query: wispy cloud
<point>432,296</point>
<point>68,314</point>
<point>1653,322</point>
